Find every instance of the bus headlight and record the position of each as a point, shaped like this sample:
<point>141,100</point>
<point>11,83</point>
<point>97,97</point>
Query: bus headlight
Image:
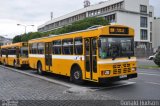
<point>106,72</point>
<point>133,69</point>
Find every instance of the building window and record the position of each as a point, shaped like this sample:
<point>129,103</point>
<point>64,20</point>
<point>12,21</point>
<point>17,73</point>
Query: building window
<point>144,22</point>
<point>121,5</point>
<point>151,37</point>
<point>143,8</point>
<point>150,14</point>
<point>111,18</point>
<point>150,26</point>
<point>99,11</point>
<point>144,34</point>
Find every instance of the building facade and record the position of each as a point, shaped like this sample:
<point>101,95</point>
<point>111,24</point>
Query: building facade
<point>156,33</point>
<point>5,41</point>
<point>137,14</point>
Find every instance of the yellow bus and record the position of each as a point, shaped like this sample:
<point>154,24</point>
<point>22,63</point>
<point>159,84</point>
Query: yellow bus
<point>0,55</point>
<point>15,54</point>
<point>102,54</point>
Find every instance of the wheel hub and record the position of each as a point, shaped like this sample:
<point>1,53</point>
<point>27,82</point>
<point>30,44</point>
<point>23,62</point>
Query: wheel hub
<point>76,75</point>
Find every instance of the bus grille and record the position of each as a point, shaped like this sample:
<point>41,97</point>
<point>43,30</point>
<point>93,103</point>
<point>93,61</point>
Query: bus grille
<point>121,69</point>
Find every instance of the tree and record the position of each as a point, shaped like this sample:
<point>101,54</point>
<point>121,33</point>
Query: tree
<point>17,39</point>
<point>157,59</point>
<point>76,26</point>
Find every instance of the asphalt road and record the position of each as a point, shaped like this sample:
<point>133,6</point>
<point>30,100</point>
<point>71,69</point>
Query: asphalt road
<point>17,85</point>
<point>145,62</point>
<point>145,87</point>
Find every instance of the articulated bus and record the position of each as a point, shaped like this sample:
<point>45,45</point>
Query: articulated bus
<point>103,54</point>
<point>15,54</point>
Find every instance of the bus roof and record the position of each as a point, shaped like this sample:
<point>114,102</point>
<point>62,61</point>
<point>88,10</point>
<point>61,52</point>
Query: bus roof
<point>20,44</point>
<point>93,32</point>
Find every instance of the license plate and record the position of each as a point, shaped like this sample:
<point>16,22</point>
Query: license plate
<point>123,76</point>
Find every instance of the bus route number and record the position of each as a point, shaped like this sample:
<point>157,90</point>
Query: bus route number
<point>118,30</point>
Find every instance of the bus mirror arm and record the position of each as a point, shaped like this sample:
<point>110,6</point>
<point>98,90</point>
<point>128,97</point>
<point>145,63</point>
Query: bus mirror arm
<point>113,57</point>
<point>129,56</point>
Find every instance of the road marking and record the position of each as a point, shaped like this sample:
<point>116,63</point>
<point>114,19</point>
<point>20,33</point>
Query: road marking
<point>149,74</point>
<point>116,86</point>
<point>155,72</point>
<point>153,83</point>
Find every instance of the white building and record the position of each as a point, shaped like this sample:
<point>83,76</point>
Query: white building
<point>156,34</point>
<point>134,13</point>
<point>5,41</point>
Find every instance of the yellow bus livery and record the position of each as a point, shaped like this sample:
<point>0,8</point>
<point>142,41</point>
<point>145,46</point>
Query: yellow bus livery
<point>15,54</point>
<point>102,54</point>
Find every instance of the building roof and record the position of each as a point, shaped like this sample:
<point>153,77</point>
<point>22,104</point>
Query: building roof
<point>83,10</point>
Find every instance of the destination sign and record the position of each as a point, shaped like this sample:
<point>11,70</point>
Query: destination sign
<point>118,30</point>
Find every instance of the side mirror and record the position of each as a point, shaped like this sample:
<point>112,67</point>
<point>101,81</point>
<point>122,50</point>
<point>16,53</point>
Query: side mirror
<point>99,43</point>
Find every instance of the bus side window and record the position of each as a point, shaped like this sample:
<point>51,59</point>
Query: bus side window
<point>30,49</point>
<point>11,51</point>
<point>57,45</point>
<point>78,46</point>
<point>34,48</point>
<point>40,48</point>
<point>68,46</point>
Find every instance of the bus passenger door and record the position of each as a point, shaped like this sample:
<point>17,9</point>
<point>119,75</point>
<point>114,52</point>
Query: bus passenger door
<point>91,59</point>
<point>17,56</point>
<point>6,61</point>
<point>48,56</point>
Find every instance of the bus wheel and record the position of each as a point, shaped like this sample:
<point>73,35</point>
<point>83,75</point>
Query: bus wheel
<point>39,68</point>
<point>76,75</point>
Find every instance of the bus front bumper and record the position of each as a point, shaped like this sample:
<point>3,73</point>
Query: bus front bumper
<point>117,78</point>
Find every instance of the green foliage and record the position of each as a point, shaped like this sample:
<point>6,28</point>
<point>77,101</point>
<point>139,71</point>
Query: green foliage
<point>157,59</point>
<point>17,39</point>
<point>76,26</point>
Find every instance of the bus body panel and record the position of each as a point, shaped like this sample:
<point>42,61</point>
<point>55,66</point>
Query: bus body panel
<point>13,56</point>
<point>62,64</point>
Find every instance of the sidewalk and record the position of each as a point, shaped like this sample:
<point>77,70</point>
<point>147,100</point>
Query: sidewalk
<point>146,64</point>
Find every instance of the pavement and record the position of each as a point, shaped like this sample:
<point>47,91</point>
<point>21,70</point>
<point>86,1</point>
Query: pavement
<point>18,84</point>
<point>15,85</point>
<point>145,62</point>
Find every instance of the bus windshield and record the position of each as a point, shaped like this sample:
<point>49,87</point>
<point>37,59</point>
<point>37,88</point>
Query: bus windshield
<point>24,52</point>
<point>113,47</point>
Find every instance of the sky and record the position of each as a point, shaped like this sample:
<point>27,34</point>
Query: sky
<point>37,12</point>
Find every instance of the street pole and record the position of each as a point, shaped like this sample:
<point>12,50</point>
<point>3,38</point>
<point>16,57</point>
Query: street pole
<point>25,27</point>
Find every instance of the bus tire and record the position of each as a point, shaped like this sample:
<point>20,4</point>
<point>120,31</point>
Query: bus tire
<point>39,68</point>
<point>76,75</point>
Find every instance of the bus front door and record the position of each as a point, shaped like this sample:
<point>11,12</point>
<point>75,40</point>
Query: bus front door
<point>91,59</point>
<point>48,56</point>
